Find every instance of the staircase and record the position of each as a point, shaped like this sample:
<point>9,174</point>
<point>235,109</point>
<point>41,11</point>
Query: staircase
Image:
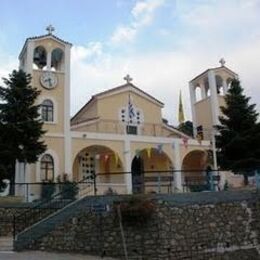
<point>6,244</point>
<point>43,218</point>
<point>46,225</point>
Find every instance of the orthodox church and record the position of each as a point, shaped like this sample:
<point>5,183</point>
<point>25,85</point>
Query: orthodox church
<point>119,134</point>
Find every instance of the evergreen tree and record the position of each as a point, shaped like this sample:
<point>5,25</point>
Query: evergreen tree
<point>238,141</point>
<point>20,124</point>
<point>186,127</point>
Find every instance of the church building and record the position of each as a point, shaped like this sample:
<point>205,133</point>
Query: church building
<point>119,134</point>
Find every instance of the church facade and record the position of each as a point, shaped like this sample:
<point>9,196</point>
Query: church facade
<point>119,134</point>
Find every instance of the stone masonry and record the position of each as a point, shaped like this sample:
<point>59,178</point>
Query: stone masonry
<point>204,226</point>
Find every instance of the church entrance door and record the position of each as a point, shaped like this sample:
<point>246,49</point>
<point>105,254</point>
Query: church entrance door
<point>137,170</point>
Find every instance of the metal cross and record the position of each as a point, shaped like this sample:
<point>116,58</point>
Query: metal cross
<point>50,29</point>
<point>222,62</point>
<point>128,79</point>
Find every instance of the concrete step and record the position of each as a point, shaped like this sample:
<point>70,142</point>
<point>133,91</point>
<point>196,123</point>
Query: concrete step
<point>6,244</point>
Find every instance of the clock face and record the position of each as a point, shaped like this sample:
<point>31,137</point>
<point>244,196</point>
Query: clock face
<point>48,80</point>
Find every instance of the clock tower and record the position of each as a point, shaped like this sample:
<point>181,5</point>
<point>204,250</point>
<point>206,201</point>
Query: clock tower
<point>47,59</point>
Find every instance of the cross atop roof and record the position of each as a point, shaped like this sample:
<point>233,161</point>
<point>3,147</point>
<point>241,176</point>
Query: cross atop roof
<point>222,62</point>
<point>50,29</point>
<point>128,79</point>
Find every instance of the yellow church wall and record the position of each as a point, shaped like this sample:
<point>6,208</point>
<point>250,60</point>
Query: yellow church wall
<point>56,145</point>
<point>222,103</point>
<point>109,107</point>
<point>49,44</point>
<point>79,144</point>
<point>57,96</point>
<point>138,146</point>
<point>203,116</point>
<point>87,113</point>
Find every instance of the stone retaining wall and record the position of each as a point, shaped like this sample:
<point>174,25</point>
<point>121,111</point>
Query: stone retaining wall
<point>204,226</point>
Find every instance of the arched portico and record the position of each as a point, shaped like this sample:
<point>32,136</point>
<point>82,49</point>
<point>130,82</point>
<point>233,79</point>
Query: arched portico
<point>151,171</point>
<point>104,163</point>
<point>194,165</point>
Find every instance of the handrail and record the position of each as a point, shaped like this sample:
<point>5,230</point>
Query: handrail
<point>28,216</point>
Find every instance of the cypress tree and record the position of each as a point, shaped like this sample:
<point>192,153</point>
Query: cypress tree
<point>20,123</point>
<point>238,141</point>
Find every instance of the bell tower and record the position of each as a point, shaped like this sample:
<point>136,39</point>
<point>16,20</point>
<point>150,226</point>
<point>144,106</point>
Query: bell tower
<point>47,59</point>
<point>207,92</point>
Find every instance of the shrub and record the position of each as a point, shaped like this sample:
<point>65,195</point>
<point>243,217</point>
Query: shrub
<point>68,189</point>
<point>136,210</point>
<point>48,189</point>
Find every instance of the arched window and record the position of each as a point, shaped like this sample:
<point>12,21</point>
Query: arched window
<point>57,59</point>
<point>47,110</point>
<point>39,57</point>
<point>47,168</point>
<point>198,94</point>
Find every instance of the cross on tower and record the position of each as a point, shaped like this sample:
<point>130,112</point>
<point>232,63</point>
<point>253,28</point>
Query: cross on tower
<point>128,79</point>
<point>50,29</point>
<point>222,62</point>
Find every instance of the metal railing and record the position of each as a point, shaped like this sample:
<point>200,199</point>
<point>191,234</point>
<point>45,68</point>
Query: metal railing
<point>65,193</point>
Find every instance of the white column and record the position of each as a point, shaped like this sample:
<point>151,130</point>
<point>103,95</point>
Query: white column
<point>203,91</point>
<point>177,164</point>
<point>128,161</point>
<point>67,133</point>
<point>213,97</point>
<point>193,101</point>
<point>225,87</point>
<point>49,60</point>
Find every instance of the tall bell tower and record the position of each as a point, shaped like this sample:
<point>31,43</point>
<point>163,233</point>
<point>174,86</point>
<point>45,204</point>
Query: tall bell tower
<point>47,59</point>
<point>207,92</point>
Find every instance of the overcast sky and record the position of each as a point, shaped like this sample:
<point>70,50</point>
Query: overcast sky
<point>162,44</point>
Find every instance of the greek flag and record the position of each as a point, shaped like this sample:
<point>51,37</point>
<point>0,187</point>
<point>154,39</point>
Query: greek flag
<point>131,112</point>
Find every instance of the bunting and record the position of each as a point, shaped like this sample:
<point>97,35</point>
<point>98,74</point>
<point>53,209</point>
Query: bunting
<point>149,151</point>
<point>160,148</point>
<point>185,141</point>
<point>116,158</point>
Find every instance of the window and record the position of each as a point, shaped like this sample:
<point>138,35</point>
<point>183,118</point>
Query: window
<point>131,130</point>
<point>47,110</point>
<point>47,168</point>
<point>39,57</point>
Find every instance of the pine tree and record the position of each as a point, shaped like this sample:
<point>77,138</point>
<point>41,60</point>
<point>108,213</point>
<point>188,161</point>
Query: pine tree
<point>187,128</point>
<point>238,141</point>
<point>20,124</point>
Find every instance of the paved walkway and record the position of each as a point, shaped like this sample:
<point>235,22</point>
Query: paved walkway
<point>38,255</point>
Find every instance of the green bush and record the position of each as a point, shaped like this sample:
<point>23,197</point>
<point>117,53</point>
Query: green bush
<point>48,189</point>
<point>68,189</point>
<point>136,210</point>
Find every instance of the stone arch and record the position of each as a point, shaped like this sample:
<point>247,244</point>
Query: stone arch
<point>57,59</point>
<point>194,165</point>
<point>39,58</point>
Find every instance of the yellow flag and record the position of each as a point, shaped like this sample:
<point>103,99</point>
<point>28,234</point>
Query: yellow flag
<point>149,150</point>
<point>116,158</point>
<point>181,113</point>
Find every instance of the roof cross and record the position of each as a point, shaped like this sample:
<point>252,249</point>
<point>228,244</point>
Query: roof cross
<point>50,29</point>
<point>128,79</point>
<point>222,62</point>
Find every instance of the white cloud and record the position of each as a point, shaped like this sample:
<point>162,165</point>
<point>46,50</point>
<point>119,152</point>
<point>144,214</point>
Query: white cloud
<point>7,65</point>
<point>142,15</point>
<point>163,73</point>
